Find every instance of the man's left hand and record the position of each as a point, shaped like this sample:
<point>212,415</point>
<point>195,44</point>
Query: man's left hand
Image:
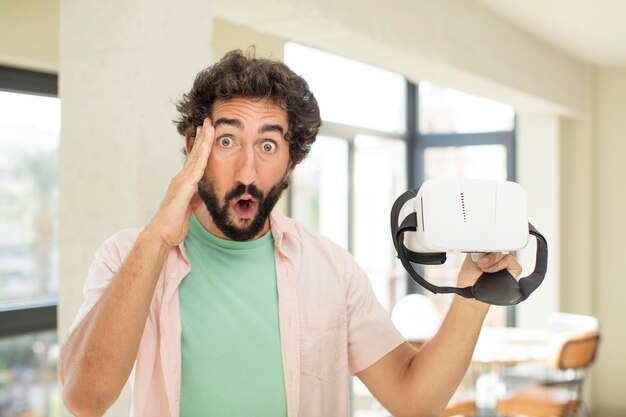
<point>491,262</point>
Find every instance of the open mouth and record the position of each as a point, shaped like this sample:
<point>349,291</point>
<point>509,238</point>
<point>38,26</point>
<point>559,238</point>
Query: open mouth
<point>243,204</point>
<point>245,208</point>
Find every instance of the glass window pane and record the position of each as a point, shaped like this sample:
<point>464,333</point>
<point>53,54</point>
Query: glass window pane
<point>487,162</point>
<point>350,92</point>
<point>28,376</point>
<point>463,162</point>
<point>379,177</point>
<point>444,110</point>
<point>29,141</point>
<point>319,192</point>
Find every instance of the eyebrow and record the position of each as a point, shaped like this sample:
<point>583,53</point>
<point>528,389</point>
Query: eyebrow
<point>230,122</point>
<point>272,128</point>
<point>237,124</point>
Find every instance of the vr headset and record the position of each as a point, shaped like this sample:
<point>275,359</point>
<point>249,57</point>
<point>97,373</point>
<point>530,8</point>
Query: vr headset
<point>474,216</point>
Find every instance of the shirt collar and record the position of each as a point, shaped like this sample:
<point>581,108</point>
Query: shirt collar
<point>284,232</point>
<point>281,229</point>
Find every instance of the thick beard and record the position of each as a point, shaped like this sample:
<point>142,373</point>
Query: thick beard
<point>220,213</point>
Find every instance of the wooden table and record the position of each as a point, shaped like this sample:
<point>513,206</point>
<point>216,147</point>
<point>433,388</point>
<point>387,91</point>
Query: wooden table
<point>498,347</point>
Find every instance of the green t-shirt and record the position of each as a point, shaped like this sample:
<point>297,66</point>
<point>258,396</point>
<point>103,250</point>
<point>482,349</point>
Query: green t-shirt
<point>230,343</point>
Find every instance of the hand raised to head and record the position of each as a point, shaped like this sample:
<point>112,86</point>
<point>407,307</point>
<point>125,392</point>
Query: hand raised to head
<point>171,222</point>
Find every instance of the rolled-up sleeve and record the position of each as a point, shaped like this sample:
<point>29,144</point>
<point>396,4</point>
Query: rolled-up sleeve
<point>108,260</point>
<point>371,334</point>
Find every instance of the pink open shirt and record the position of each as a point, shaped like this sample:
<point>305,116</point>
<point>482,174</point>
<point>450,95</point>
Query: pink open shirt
<point>331,323</point>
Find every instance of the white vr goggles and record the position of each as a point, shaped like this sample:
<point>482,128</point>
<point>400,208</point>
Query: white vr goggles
<point>474,216</point>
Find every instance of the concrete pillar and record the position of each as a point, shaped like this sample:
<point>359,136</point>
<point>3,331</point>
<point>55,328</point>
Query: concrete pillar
<point>123,65</point>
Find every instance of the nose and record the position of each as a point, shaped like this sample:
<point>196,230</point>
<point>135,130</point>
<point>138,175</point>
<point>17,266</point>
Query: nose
<point>245,172</point>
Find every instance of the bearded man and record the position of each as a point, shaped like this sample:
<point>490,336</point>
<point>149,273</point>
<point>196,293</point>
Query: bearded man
<point>221,306</point>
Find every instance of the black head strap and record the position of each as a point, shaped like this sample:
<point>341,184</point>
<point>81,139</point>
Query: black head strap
<point>499,288</point>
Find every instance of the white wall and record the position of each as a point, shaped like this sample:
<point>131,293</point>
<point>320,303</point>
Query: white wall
<point>538,171</point>
<point>29,34</point>
<point>457,43</point>
<point>577,210</point>
<point>608,276</point>
<point>228,36</point>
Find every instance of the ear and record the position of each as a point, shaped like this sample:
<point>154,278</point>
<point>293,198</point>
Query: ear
<point>189,141</point>
<point>287,177</point>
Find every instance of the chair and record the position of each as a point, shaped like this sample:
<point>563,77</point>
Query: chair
<point>526,375</point>
<point>573,352</point>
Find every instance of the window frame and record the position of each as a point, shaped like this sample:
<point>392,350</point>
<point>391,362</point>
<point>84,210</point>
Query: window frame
<point>420,141</point>
<point>416,143</point>
<point>349,133</point>
<point>38,315</point>
<point>440,140</point>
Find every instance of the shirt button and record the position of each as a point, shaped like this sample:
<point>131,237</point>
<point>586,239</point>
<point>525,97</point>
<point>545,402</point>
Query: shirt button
<point>173,275</point>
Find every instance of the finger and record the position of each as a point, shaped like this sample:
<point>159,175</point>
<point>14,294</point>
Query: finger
<point>207,138</point>
<point>201,136</point>
<point>197,160</point>
<point>507,262</point>
<point>469,272</point>
<point>489,260</point>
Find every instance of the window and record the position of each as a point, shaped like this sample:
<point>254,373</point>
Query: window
<point>373,196</point>
<point>30,120</point>
<point>444,110</point>
<point>322,183</point>
<point>350,92</point>
<point>335,190</point>
<point>461,136</point>
<point>29,128</point>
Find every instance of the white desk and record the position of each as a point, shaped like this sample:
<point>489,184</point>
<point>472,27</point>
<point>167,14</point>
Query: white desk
<point>511,345</point>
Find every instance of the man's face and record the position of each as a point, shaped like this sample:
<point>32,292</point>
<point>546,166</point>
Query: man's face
<point>248,167</point>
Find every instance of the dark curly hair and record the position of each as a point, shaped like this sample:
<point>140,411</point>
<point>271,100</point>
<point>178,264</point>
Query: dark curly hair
<point>237,75</point>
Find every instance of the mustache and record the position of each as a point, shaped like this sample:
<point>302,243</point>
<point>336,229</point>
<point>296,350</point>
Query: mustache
<point>241,189</point>
<point>251,189</point>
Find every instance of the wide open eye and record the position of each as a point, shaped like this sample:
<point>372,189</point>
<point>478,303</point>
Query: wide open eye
<point>225,141</point>
<point>268,146</point>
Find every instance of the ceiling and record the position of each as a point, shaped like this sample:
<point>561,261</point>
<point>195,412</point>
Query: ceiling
<point>591,31</point>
